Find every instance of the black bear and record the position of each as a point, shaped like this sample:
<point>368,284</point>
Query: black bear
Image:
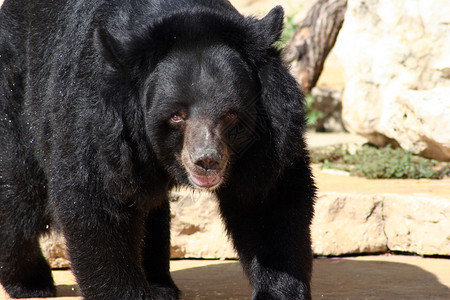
<point>107,105</point>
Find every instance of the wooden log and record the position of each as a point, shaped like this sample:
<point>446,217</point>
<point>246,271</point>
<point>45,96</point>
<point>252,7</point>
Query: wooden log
<point>313,40</point>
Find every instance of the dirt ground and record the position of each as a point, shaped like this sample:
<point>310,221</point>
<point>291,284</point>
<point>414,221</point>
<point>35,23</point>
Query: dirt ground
<point>366,277</point>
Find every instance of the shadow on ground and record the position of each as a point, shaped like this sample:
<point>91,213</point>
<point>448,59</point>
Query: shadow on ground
<point>350,279</point>
<point>338,278</point>
<point>332,279</point>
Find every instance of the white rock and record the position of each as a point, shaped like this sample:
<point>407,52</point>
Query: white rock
<point>53,247</point>
<point>397,59</point>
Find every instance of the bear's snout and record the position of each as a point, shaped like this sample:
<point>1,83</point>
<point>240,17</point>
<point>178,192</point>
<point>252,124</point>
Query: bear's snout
<point>204,154</point>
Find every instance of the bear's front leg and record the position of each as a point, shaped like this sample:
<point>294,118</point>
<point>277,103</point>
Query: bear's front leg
<point>156,252</point>
<point>272,237</point>
<point>104,239</point>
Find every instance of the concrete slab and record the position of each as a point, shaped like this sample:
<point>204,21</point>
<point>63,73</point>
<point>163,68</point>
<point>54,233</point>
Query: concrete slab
<point>367,277</point>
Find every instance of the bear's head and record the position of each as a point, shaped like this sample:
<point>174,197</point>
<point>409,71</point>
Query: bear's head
<point>201,111</point>
<point>199,88</point>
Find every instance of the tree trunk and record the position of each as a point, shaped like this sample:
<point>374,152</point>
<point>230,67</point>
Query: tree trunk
<point>313,40</point>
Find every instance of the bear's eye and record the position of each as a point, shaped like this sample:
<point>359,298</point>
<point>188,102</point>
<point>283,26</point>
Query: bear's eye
<point>177,118</point>
<point>231,116</point>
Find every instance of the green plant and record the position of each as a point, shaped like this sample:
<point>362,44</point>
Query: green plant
<point>372,162</point>
<point>288,30</point>
<point>312,115</point>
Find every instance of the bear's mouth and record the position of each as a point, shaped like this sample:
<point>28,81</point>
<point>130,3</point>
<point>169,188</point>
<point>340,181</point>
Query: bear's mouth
<point>205,182</point>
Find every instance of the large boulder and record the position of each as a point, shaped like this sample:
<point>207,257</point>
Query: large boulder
<point>397,60</point>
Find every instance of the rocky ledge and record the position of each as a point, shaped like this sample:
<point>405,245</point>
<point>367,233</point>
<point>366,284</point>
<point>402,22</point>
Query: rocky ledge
<point>353,216</point>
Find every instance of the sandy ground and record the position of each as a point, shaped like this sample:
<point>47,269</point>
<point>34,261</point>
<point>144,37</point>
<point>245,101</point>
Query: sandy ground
<point>369,277</point>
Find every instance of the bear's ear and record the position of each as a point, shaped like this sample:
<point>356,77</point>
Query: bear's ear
<point>109,48</point>
<point>271,26</point>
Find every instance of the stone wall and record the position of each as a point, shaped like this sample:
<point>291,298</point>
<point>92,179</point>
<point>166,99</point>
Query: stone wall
<point>344,224</point>
<point>375,223</point>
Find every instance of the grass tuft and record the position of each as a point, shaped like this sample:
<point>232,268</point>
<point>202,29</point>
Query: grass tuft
<point>375,163</point>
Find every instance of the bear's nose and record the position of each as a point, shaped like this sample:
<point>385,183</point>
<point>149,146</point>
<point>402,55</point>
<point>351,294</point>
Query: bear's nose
<point>207,162</point>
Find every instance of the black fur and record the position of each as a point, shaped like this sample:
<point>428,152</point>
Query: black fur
<point>87,143</point>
